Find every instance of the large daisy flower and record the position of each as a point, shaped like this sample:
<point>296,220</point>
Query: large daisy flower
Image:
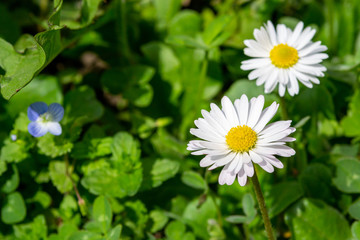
<point>284,56</point>
<point>236,136</point>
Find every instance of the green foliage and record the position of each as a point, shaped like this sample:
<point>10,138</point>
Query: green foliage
<point>132,77</point>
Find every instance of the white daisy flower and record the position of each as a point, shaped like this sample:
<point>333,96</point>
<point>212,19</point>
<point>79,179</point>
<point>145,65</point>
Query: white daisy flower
<point>284,56</point>
<point>236,136</point>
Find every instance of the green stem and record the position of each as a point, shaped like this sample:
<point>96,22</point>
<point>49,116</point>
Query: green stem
<point>261,201</point>
<point>80,199</point>
<point>284,113</point>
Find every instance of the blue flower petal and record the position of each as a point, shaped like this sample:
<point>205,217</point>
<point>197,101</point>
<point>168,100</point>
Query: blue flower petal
<point>36,109</point>
<point>56,111</point>
<point>54,128</point>
<point>37,129</point>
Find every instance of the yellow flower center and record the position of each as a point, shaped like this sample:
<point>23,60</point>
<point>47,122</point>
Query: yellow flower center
<point>284,56</point>
<point>241,138</point>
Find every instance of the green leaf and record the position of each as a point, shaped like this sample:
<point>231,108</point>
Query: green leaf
<point>281,196</point>
<point>215,30</point>
<point>102,213</point>
<point>33,230</point>
<point>159,219</point>
<point>114,234</point>
<point>194,180</point>
<point>248,204</point>
<point>162,170</point>
<point>197,217</point>
<point>313,219</point>
<point>12,181</point>
<point>354,210</point>
<point>168,146</point>
<point>355,230</point>
<point>92,148</point>
<point>50,40</point>
<point>347,178</point>
<point>351,123</point>
<point>61,181</point>
<point>54,146</point>
<point>13,209</point>
<point>186,22</point>
<point>76,112</point>
<point>14,151</point>
<point>185,41</point>
<point>43,88</point>
<point>175,230</point>
<point>244,86</point>
<point>20,62</point>
<point>165,10</point>
<point>85,235</point>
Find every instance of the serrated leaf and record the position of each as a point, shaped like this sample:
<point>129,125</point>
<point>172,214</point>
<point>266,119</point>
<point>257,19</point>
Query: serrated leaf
<point>12,182</point>
<point>162,170</point>
<point>61,181</point>
<point>354,210</point>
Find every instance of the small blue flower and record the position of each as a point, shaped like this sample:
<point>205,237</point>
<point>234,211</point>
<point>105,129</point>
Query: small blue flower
<point>45,118</point>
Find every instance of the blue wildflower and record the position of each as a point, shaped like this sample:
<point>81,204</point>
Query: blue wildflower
<point>45,118</point>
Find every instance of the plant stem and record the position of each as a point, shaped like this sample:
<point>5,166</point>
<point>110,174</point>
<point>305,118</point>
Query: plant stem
<point>261,201</point>
<point>80,199</point>
<point>284,113</point>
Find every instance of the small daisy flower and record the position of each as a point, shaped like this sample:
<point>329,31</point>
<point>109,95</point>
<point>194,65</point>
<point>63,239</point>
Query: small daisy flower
<point>45,118</point>
<point>284,56</point>
<point>236,136</point>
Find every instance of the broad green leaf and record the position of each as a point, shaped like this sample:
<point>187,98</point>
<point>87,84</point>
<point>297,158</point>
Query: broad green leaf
<point>43,88</point>
<point>12,181</point>
<point>354,210</point>
<point>33,230</point>
<point>3,166</point>
<point>281,196</point>
<point>314,219</point>
<point>165,10</point>
<point>186,22</point>
<point>126,151</point>
<point>159,219</point>
<point>61,181</point>
<point>249,88</point>
<point>85,235</point>
<point>68,207</point>
<point>351,123</point>
<point>102,213</point>
<point>346,150</point>
<point>185,41</point>
<point>197,217</point>
<point>194,180</point>
<point>21,63</point>
<point>78,113</point>
<point>248,204</point>
<point>347,176</point>
<point>13,209</point>
<point>175,230</point>
<point>114,234</point>
<point>137,217</point>
<point>168,146</point>
<point>355,230</point>
<point>42,198</point>
<point>50,40</point>
<point>162,170</point>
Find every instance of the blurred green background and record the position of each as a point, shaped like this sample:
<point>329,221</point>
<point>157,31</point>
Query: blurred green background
<point>132,76</point>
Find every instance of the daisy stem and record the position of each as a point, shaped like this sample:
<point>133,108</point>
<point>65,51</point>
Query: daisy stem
<point>261,201</point>
<point>284,113</point>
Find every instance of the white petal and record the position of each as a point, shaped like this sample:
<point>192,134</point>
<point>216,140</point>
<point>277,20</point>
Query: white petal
<point>296,33</point>
<point>206,136</point>
<point>229,111</point>
<point>242,177</point>
<point>54,128</point>
<point>266,166</point>
<point>255,157</point>
<point>272,34</point>
<point>275,127</point>
<point>255,111</point>
<point>266,116</point>
<point>249,169</point>
<point>242,109</point>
